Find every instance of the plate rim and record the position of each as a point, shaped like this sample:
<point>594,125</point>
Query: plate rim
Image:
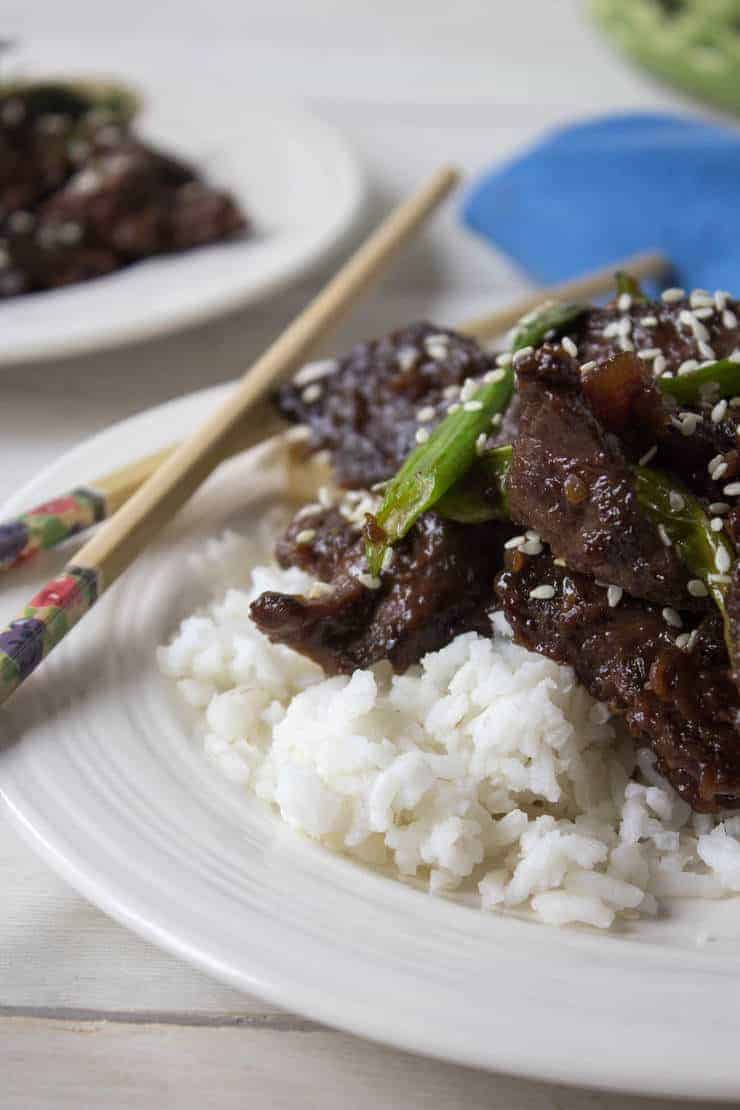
<point>323,245</point>
<point>608,1075</point>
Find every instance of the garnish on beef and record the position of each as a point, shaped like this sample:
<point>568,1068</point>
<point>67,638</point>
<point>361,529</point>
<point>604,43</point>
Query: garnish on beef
<point>368,409</point>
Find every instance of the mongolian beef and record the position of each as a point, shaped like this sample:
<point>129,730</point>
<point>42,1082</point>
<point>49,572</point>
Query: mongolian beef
<point>81,195</point>
<point>586,482</point>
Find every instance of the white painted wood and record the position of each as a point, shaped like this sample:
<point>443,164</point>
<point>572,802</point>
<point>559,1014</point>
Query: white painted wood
<point>410,84</point>
<point>68,1065</point>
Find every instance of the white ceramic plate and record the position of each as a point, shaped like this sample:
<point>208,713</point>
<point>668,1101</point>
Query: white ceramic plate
<point>100,772</point>
<point>294,177</point>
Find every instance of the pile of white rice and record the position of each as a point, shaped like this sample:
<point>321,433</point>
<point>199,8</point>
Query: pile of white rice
<point>484,767</point>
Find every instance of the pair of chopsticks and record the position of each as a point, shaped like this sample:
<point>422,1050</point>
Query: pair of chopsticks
<point>142,498</point>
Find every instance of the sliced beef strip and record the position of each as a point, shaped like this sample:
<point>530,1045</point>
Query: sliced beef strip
<point>683,704</point>
<point>127,202</point>
<point>569,480</point>
<point>594,332</point>
<point>686,454</point>
<point>441,584</point>
<point>366,412</point>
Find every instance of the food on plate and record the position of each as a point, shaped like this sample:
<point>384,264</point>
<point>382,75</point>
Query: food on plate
<point>81,195</point>
<point>523,574</point>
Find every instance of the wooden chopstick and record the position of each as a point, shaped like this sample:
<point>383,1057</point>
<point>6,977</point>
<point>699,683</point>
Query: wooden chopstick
<point>55,521</point>
<point>63,602</point>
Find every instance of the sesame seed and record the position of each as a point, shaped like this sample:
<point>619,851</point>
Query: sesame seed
<point>624,302</point>
<point>312,393</point>
<point>496,420</point>
<point>676,500</point>
<point>649,321</point>
<point>586,366</point>
<point>494,376</point>
<point>306,536</point>
<point>659,365</point>
<point>719,579</point>
<point>671,296</point>
<point>719,411</point>
<point>693,637</point>
<point>388,558</point>
<point>450,392</point>
<point>425,414</point>
<point>314,371</point>
<point>480,444</point>
<point>682,640</point>
<point>665,539</point>
<point>719,507</point>
<point>671,617</point>
<point>542,593</point>
<point>532,535</point>
<point>701,298</point>
<point>504,359</point>
<point>625,344</point>
<point>422,435</point>
<point>522,353</point>
<point>407,358</point>
<point>437,350</point>
<point>437,337</point>
<point>532,547</point>
<point>325,498</point>
<point>469,389</point>
<point>614,596</point>
<point>569,346</point>
<point>720,300</point>
<point>649,352</point>
<point>515,541</point>
<point>624,325</point>
<point>732,490</point>
<point>611,329</point>
<point>722,560</point>
<point>706,351</point>
<point>369,581</point>
<point>687,366</point>
<point>704,313</point>
<point>686,422</point>
<point>473,406</point>
<point>716,523</point>
<point>453,408</point>
<point>719,472</point>
<point>560,563</point>
<point>21,221</point>
<point>697,588</point>
<point>729,319</point>
<point>649,455</point>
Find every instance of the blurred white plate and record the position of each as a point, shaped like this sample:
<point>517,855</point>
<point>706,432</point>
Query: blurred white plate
<point>294,177</point>
<point>100,771</point>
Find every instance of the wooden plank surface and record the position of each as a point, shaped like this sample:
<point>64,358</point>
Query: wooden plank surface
<point>408,83</point>
<point>267,1064</point>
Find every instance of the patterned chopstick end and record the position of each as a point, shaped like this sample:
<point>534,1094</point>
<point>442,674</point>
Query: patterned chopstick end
<point>45,621</point>
<point>49,524</point>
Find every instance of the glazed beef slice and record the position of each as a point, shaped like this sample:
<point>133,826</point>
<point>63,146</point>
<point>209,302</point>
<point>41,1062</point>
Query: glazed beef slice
<point>441,584</point>
<point>570,481</point>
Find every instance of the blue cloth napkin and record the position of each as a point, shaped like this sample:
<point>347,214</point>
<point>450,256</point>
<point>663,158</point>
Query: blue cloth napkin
<point>592,193</point>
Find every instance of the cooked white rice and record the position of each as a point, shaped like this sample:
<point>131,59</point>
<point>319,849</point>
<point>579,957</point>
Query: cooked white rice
<point>484,767</point>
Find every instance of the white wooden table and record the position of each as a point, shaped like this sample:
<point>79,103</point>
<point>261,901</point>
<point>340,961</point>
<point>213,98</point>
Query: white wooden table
<point>89,1014</point>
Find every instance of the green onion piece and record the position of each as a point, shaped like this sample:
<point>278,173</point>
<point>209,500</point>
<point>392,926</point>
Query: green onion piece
<point>687,388</point>
<point>433,467</point>
<point>550,316</point>
<point>626,283</point>
<point>480,495</point>
<point>708,555</point>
